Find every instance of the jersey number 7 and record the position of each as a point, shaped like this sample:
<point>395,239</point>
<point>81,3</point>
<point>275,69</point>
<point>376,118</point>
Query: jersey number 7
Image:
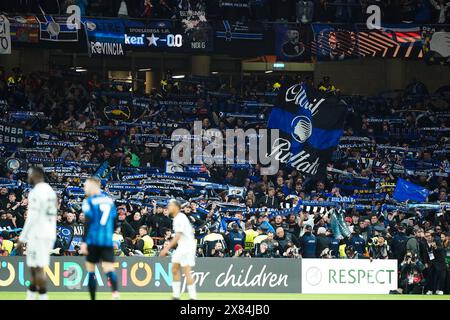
<point>105,209</point>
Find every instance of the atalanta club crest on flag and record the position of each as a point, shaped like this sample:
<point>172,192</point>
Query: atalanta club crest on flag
<point>311,124</point>
<point>57,28</point>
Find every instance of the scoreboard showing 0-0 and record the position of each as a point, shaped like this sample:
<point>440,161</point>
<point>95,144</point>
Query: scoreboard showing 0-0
<point>152,35</point>
<point>156,40</point>
<point>165,35</point>
<point>174,40</point>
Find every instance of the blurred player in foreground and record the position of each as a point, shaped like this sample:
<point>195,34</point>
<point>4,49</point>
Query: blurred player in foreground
<point>97,245</point>
<point>39,232</point>
<point>184,255</point>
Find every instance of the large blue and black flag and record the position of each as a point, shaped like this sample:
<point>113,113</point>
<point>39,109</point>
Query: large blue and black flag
<point>310,123</point>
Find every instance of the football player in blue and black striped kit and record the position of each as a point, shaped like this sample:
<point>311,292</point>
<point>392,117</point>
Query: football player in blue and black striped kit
<point>101,217</point>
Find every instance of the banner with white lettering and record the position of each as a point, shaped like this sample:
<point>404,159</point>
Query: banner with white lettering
<point>144,274</point>
<point>11,134</point>
<point>106,36</point>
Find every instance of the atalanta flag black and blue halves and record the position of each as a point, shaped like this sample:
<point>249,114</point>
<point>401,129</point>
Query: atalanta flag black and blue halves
<point>311,124</point>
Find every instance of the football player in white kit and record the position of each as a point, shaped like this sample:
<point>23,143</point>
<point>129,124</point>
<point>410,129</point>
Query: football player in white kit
<point>39,232</point>
<point>183,259</point>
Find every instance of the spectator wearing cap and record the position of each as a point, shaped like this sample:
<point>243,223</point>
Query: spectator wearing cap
<point>262,234</point>
<point>238,251</point>
<point>323,242</point>
<point>235,236</point>
<point>263,222</point>
<point>308,243</point>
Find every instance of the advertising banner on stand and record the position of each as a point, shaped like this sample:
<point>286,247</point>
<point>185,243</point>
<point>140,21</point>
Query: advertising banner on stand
<point>333,276</point>
<point>143,274</point>
<point>105,36</point>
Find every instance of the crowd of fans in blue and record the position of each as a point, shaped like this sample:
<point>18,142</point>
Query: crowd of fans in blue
<point>342,11</point>
<point>73,129</point>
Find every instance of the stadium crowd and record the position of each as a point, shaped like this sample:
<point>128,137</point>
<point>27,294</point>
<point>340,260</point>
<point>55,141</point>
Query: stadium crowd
<point>341,11</point>
<point>78,125</point>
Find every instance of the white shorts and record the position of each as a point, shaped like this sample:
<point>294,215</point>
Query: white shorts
<point>38,252</point>
<point>184,258</point>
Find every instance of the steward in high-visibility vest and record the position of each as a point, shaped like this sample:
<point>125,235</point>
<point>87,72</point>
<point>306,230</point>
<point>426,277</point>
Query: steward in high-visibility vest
<point>250,236</point>
<point>147,248</point>
<point>148,245</point>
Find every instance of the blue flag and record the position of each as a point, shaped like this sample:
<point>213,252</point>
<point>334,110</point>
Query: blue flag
<point>406,190</point>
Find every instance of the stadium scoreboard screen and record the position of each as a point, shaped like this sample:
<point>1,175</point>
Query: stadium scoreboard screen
<point>159,35</point>
<point>115,37</point>
<point>164,36</point>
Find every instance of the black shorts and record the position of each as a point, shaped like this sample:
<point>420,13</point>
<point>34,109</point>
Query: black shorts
<point>98,254</point>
